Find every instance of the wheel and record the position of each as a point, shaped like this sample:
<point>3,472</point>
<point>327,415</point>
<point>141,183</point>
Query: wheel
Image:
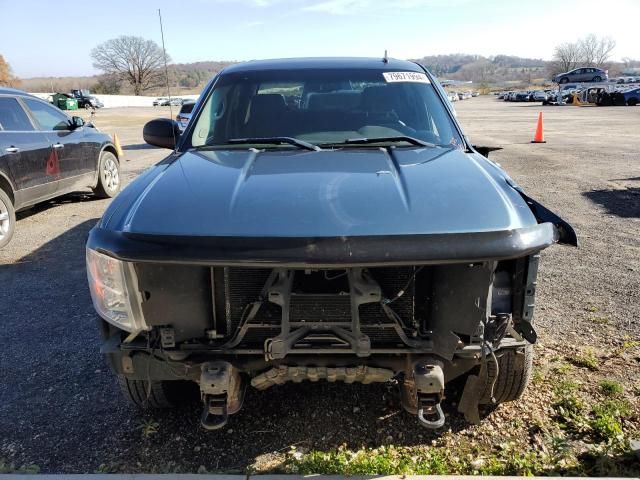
<point>564,80</point>
<point>7,219</point>
<point>514,372</point>
<point>597,79</point>
<point>87,106</point>
<point>632,102</point>
<point>150,395</point>
<point>108,176</point>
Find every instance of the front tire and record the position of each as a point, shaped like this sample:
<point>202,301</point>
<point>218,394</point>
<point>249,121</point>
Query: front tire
<point>514,372</point>
<point>564,80</point>
<point>7,219</point>
<point>108,176</point>
<point>149,395</point>
<point>632,102</point>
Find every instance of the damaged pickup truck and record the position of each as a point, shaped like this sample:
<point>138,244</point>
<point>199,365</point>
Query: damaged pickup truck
<point>320,220</point>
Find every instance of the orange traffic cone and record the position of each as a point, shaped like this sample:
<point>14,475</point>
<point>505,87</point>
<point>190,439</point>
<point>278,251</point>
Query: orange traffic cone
<point>116,143</point>
<point>539,137</point>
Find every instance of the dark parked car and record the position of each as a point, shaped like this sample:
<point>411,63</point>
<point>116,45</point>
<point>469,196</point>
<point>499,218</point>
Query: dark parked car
<point>587,74</point>
<point>86,100</point>
<point>184,115</point>
<point>45,153</point>
<point>632,97</point>
<point>321,219</point>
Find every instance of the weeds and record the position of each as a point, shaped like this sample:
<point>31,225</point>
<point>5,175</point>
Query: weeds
<point>586,359</point>
<point>562,368</point>
<point>626,346</point>
<point>148,427</point>
<point>606,421</point>
<point>611,388</point>
<point>506,459</point>
<point>568,404</point>
<point>6,467</point>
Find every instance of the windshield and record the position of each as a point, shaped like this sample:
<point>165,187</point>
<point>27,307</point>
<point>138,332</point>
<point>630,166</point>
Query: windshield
<point>323,107</point>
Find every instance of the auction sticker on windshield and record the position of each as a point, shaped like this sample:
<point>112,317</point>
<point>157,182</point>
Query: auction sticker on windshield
<point>391,77</point>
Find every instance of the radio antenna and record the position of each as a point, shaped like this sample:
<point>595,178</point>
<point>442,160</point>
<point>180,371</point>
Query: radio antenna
<point>166,76</point>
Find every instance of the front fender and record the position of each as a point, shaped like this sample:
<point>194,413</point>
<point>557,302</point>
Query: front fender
<point>566,233</point>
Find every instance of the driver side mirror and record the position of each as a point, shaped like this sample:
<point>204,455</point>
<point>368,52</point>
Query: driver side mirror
<point>161,132</point>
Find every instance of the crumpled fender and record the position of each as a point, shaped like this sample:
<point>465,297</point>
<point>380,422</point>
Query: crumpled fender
<point>566,233</point>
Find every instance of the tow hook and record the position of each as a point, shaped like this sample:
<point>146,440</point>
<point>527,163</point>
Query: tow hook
<point>220,387</point>
<point>429,381</point>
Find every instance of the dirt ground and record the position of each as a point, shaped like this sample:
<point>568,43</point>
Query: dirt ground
<point>60,410</point>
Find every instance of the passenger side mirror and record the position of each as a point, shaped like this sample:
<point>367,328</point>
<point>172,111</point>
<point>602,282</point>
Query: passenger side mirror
<point>161,132</point>
<point>76,122</point>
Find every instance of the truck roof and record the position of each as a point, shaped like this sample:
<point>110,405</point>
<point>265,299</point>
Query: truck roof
<point>390,64</point>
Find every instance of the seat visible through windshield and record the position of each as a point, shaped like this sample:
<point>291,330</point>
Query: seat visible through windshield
<point>322,107</point>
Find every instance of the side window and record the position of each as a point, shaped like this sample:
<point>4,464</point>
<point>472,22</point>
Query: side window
<point>49,117</point>
<point>12,116</point>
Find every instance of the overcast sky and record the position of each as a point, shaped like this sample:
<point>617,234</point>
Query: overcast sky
<point>46,38</point>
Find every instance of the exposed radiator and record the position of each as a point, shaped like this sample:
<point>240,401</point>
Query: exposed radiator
<point>243,286</point>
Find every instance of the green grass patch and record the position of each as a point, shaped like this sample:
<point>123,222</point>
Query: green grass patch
<point>569,406</point>
<point>505,459</point>
<point>611,388</point>
<point>606,420</point>
<point>7,467</point>
<point>562,368</point>
<point>600,320</point>
<point>626,346</point>
<point>585,359</point>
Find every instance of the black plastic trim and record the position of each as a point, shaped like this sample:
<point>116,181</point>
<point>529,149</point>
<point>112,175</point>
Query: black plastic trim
<point>566,233</point>
<point>324,252</point>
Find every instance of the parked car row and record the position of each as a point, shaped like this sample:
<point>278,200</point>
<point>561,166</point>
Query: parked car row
<point>525,96</point>
<point>603,96</point>
<point>455,96</point>
<point>173,101</point>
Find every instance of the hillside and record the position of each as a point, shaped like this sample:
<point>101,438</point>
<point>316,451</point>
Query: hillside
<point>189,78</point>
<point>494,70</point>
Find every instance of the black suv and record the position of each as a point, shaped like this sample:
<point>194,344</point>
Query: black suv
<point>45,153</point>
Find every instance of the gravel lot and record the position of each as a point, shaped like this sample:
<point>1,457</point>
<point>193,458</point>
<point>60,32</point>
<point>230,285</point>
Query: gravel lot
<point>60,408</point>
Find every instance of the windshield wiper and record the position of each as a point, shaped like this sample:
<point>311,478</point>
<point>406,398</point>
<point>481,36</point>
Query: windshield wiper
<point>401,138</point>
<point>275,141</point>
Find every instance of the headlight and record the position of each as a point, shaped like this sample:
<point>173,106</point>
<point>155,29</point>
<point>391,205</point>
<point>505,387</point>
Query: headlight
<point>114,295</point>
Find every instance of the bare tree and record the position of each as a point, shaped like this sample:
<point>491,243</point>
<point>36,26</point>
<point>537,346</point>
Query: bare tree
<point>6,76</point>
<point>604,51</point>
<point>134,59</point>
<point>565,57</point>
<point>594,51</point>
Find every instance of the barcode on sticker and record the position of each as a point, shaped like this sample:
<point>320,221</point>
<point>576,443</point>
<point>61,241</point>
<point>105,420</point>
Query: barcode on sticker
<point>405,77</point>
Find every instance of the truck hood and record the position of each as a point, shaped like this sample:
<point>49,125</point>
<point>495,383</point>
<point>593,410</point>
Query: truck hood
<point>329,193</point>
